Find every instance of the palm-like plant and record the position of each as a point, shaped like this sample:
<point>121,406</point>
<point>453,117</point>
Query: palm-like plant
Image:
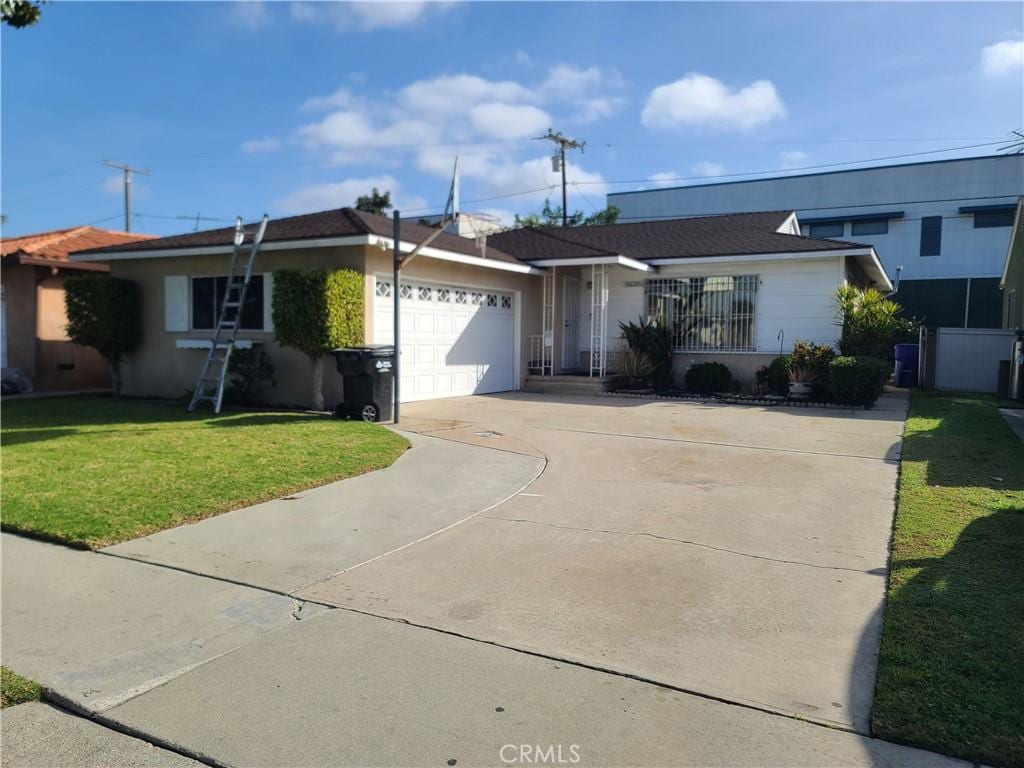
<point>870,322</point>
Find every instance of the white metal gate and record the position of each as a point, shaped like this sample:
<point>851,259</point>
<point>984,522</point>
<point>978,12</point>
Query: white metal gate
<point>967,359</point>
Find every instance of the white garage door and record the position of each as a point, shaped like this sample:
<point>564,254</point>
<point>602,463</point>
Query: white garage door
<point>456,340</point>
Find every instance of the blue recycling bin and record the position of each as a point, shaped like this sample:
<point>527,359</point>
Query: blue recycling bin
<point>906,364</point>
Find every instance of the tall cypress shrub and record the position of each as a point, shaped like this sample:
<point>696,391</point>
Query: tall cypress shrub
<point>316,311</point>
<point>104,313</point>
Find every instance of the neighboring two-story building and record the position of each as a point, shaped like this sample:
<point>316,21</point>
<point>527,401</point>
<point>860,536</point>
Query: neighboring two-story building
<point>941,228</point>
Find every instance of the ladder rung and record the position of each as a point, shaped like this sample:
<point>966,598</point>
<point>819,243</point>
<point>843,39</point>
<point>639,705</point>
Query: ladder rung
<point>232,303</point>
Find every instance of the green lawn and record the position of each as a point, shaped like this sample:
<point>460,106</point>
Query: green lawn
<point>15,689</point>
<point>951,671</point>
<point>93,471</point>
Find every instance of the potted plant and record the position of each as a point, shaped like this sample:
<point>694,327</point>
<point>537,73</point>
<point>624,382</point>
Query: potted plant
<point>636,369</point>
<point>800,381</point>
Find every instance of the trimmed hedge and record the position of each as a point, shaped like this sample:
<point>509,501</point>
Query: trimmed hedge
<point>707,378</point>
<point>104,313</point>
<point>316,311</point>
<point>858,380</point>
<point>778,375</point>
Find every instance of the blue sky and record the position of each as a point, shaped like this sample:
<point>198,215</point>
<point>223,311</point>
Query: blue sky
<point>292,107</point>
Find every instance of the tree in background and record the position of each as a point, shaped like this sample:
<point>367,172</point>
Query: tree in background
<point>20,13</point>
<point>104,313</point>
<point>552,217</point>
<point>375,202</point>
<point>316,311</point>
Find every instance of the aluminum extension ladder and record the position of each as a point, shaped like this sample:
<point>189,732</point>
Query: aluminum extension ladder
<point>210,387</point>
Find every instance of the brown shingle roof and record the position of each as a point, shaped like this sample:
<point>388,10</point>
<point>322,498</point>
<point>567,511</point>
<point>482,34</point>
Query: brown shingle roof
<point>339,222</point>
<point>721,235</point>
<point>54,246</point>
<point>729,234</point>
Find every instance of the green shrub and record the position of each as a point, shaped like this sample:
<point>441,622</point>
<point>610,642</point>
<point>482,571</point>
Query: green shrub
<point>316,311</point>
<point>104,313</point>
<point>858,380</point>
<point>653,339</point>
<point>870,322</point>
<point>777,375</point>
<point>707,378</point>
<point>251,372</point>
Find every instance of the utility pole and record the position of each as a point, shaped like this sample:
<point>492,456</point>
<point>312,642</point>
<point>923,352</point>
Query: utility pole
<point>563,143</point>
<point>128,171</point>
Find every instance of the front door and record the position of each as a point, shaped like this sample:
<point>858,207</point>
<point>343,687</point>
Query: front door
<point>570,324</point>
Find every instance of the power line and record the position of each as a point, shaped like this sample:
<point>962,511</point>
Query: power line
<point>802,168</point>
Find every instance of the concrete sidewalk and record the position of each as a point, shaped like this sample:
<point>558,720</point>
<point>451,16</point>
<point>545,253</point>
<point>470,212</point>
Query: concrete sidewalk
<point>287,544</point>
<point>36,735</point>
<point>100,629</point>
<point>344,689</point>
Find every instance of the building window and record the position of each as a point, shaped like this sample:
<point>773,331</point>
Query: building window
<point>931,235</point>
<point>423,293</point>
<point>706,314</point>
<point>208,296</point>
<point>871,227</point>
<point>506,302</point>
<point>826,229</point>
<point>1011,309</point>
<point>988,219</point>
<point>383,289</point>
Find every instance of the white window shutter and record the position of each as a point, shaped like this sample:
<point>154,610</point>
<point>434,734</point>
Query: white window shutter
<point>268,301</point>
<point>175,303</point>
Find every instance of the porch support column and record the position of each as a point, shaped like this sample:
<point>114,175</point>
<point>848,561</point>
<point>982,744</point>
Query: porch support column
<point>598,319</point>
<point>547,355</point>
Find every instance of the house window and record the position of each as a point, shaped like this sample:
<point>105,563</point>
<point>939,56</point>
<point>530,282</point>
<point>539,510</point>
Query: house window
<point>208,296</point>
<point>423,293</point>
<point>506,302</point>
<point>989,219</point>
<point>383,289</point>
<point>870,227</point>
<point>826,229</point>
<point>706,314</point>
<point>931,235</point>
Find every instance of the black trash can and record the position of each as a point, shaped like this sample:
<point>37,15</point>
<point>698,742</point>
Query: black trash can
<point>369,382</point>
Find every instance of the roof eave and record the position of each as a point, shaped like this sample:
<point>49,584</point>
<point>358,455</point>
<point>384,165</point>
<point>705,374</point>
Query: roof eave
<point>583,261</point>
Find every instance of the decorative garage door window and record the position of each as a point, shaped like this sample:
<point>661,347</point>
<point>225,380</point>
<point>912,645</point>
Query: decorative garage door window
<point>445,295</point>
<point>706,314</point>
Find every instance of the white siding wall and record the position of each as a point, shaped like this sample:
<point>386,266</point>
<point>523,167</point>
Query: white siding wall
<point>793,296</point>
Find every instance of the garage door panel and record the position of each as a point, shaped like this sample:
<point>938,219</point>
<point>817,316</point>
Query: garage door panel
<point>456,340</point>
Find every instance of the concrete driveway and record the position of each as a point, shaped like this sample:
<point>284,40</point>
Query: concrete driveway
<point>734,552</point>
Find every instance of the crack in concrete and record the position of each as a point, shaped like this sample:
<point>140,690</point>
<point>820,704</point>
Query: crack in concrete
<point>663,438</point>
<point>690,542</point>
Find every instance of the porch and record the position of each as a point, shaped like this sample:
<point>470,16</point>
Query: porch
<point>579,344</point>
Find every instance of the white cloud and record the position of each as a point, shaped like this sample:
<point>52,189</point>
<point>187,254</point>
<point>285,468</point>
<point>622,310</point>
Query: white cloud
<point>1003,58</point>
<point>340,99</point>
<point>522,57</point>
<point>256,146</point>
<point>459,93</point>
<point>352,129</point>
<point>707,168</point>
<point>498,120</point>
<point>700,100</point>
<point>319,197</point>
<point>663,178</point>
<point>366,16</point>
<point>792,159</point>
<point>250,14</point>
<point>591,92</point>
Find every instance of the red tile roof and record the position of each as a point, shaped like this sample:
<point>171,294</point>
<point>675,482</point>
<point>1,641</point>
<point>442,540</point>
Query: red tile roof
<point>53,247</point>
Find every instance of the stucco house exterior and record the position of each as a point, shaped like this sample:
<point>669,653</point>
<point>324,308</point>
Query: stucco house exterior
<point>36,353</point>
<point>481,317</point>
